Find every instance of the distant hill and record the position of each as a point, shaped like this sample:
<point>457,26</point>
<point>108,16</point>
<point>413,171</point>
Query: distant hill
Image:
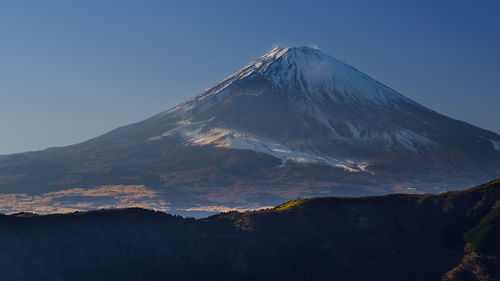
<point>451,236</point>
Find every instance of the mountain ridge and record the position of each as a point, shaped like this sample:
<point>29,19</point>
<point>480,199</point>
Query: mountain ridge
<point>451,236</point>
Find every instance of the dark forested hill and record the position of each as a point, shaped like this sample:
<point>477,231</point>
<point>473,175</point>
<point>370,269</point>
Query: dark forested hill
<point>452,236</point>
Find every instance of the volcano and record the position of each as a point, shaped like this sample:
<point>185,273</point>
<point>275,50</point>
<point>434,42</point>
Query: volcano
<point>294,122</point>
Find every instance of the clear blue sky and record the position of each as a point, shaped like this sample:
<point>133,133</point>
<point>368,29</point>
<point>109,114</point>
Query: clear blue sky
<point>72,70</point>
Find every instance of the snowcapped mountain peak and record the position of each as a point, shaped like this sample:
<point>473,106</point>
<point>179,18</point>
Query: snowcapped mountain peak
<point>291,52</point>
<point>293,63</point>
<point>301,105</point>
<point>303,74</point>
<point>307,73</point>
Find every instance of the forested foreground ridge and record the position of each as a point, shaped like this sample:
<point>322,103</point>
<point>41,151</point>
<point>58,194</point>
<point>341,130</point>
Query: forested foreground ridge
<point>451,236</point>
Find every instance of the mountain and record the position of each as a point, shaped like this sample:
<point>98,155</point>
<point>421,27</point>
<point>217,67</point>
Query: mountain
<point>451,236</point>
<point>300,105</point>
<point>295,122</point>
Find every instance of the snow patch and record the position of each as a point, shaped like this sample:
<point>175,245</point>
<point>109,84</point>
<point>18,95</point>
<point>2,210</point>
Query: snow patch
<point>231,139</point>
<point>496,144</point>
<point>411,140</point>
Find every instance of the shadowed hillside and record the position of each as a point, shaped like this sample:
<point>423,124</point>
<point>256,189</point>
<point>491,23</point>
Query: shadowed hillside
<point>452,236</point>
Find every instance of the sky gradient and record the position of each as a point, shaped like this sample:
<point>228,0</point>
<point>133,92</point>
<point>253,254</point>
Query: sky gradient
<point>72,70</point>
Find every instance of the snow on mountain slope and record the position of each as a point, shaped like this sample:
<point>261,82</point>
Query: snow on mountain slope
<point>310,71</point>
<point>302,106</point>
<point>496,144</point>
<point>235,140</point>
